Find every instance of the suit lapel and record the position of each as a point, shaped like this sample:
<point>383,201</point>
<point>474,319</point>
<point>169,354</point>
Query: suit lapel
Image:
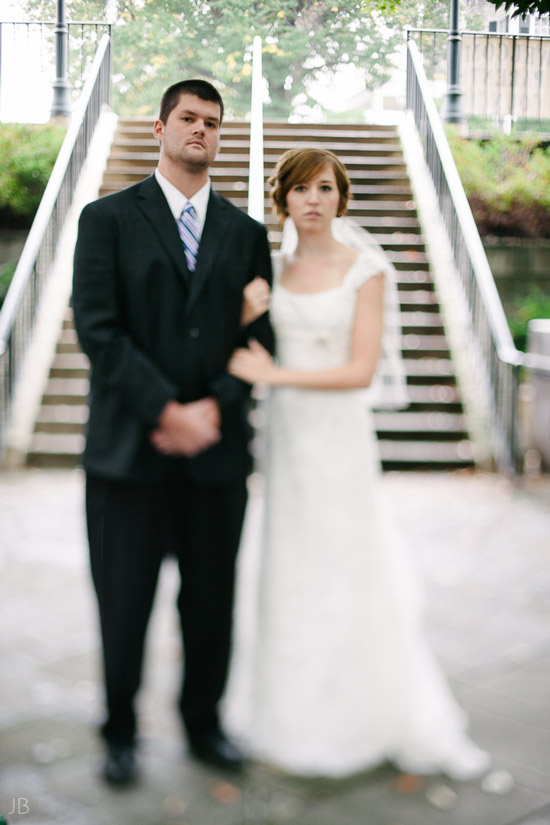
<point>212,239</point>
<point>153,204</point>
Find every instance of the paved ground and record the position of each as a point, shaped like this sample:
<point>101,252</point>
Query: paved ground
<point>483,546</point>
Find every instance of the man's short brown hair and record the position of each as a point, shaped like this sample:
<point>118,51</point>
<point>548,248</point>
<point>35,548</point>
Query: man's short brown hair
<point>200,88</point>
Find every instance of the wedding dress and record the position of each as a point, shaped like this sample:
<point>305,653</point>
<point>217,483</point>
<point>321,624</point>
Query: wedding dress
<point>331,672</point>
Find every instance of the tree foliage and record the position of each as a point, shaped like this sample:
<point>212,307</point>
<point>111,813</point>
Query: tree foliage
<point>27,156</point>
<point>507,181</point>
<point>433,14</point>
<point>156,42</point>
<point>521,7</point>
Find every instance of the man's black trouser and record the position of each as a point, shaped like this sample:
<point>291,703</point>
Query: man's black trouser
<point>131,528</point>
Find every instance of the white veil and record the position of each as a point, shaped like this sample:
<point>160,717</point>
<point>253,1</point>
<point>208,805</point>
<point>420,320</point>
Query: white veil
<point>388,389</point>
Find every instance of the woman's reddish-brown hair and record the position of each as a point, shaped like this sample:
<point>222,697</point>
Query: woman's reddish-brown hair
<point>300,166</point>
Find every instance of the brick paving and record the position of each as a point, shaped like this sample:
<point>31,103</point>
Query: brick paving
<point>483,547</point>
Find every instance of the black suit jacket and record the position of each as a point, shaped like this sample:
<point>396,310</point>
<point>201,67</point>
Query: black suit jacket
<point>153,331</point>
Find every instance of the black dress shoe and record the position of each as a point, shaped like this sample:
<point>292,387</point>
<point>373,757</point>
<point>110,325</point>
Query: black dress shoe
<point>120,767</point>
<point>215,749</point>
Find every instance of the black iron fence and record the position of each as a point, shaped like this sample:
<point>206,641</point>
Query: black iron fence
<point>504,78</point>
<point>19,309</point>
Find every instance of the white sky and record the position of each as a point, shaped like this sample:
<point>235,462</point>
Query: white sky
<point>26,71</point>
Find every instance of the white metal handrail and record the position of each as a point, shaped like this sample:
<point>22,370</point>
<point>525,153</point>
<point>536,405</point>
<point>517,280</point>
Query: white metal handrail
<point>497,355</point>
<point>19,309</point>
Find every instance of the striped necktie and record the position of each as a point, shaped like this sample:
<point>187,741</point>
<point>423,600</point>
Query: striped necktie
<point>189,233</point>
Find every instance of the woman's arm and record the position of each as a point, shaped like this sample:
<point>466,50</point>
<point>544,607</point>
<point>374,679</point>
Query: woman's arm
<point>255,300</point>
<point>255,365</point>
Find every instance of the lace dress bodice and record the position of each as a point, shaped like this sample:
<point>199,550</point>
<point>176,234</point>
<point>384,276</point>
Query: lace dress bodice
<point>314,329</point>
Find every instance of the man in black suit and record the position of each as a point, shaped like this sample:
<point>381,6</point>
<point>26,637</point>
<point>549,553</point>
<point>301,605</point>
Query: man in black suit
<point>166,455</point>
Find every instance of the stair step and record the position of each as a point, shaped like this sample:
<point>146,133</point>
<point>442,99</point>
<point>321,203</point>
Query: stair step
<point>429,368</point>
<point>434,398</point>
<point>408,259</point>
<point>377,209</point>
<point>432,454</point>
<point>68,348</point>
<point>365,191</point>
<point>343,150</point>
<point>283,125</point>
<point>363,212</point>
<point>401,241</point>
<point>363,165</point>
<point>352,136</point>
<point>415,279</point>
<point>241,131</point>
<point>414,345</point>
<point>146,162</point>
<point>126,169</point>
<point>68,340</point>
<point>62,418</point>
<point>361,162</point>
<point>66,391</point>
<point>405,424</point>
<point>369,223</point>
<point>363,215</point>
<point>272,146</point>
<point>429,324</point>
<point>55,450</point>
<point>361,175</point>
<point>70,365</point>
<point>377,200</point>
<point>381,227</point>
<point>424,298</point>
<point>149,160</point>
<point>71,368</point>
<point>390,224</point>
<point>68,332</point>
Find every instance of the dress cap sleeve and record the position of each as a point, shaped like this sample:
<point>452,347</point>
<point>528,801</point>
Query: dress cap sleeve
<point>368,264</point>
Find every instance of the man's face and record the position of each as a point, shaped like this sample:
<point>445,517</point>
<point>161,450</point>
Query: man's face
<point>191,135</point>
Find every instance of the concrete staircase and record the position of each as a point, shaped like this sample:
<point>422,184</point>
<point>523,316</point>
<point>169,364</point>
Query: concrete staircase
<point>431,433</point>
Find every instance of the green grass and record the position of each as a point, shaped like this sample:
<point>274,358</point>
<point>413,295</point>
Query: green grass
<point>524,309</point>
<point>6,275</point>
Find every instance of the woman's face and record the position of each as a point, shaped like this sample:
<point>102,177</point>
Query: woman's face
<point>313,204</point>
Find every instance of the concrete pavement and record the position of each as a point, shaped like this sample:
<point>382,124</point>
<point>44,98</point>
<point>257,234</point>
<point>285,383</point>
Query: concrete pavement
<point>483,546</point>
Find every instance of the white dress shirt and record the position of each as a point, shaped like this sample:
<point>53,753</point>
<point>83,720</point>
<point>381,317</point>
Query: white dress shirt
<point>177,200</point>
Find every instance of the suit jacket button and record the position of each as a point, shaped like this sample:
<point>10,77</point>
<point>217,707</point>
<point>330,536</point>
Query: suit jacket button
<point>193,333</point>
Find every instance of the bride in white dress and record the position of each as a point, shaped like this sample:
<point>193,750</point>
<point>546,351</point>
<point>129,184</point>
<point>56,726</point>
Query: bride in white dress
<point>339,677</point>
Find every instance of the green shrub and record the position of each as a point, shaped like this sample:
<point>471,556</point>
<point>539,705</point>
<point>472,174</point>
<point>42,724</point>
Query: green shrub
<point>27,156</point>
<point>507,181</point>
<point>6,274</point>
<point>534,305</point>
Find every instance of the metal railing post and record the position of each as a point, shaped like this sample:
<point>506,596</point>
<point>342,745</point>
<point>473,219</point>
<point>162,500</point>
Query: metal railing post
<point>256,186</point>
<point>61,105</point>
<point>452,110</point>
